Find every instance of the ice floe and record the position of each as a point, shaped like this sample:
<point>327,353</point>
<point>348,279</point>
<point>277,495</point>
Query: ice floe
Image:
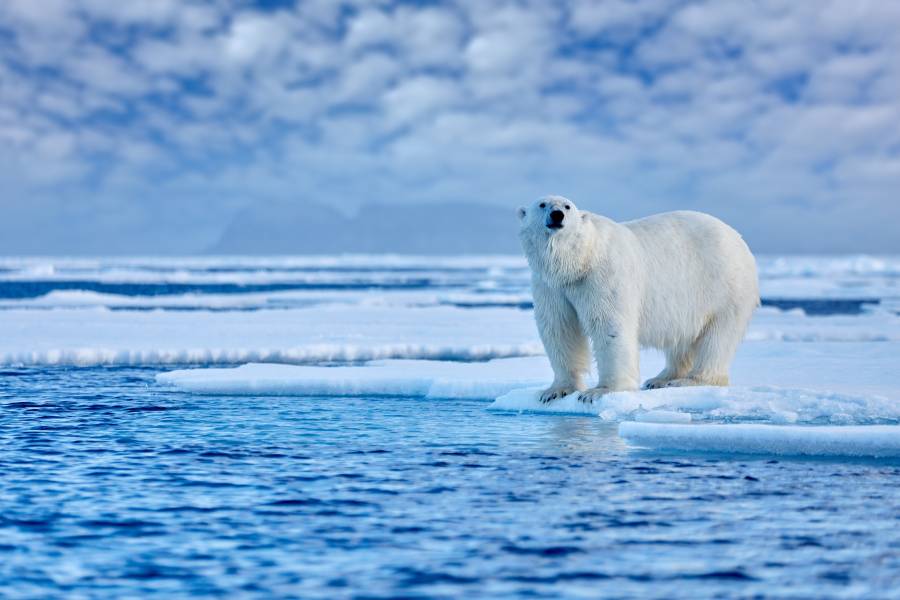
<point>717,404</point>
<point>427,379</point>
<point>504,379</point>
<point>875,441</point>
<point>753,420</point>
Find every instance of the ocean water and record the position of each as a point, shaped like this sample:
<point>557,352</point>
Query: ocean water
<point>115,486</point>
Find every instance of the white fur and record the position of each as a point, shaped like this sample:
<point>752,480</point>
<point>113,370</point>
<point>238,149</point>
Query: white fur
<point>683,282</point>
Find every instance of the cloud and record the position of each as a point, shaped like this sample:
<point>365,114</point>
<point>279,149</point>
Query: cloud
<point>783,117</point>
<point>254,38</point>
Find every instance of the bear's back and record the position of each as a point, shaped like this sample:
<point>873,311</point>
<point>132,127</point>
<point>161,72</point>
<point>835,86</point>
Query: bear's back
<point>696,265</point>
<point>687,240</point>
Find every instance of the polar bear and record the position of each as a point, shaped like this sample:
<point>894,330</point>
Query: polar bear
<point>683,282</point>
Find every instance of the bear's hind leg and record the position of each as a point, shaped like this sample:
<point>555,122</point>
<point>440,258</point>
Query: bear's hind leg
<point>678,364</point>
<point>714,350</point>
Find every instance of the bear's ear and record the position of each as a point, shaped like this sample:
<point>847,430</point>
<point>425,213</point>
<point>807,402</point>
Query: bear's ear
<point>521,212</point>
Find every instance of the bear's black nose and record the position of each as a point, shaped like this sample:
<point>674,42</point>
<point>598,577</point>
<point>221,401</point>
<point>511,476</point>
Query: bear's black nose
<point>556,216</point>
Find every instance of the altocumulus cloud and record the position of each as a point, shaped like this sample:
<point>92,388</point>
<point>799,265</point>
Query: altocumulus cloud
<point>145,126</point>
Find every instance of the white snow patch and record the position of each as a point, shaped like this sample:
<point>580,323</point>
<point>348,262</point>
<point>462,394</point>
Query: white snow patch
<point>878,441</point>
<point>771,324</point>
<point>370,330</point>
<point>322,334</point>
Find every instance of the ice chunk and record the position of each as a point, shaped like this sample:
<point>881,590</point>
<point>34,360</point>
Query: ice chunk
<point>662,416</point>
<point>421,378</point>
<point>525,400</point>
<point>287,380</point>
<point>878,441</point>
<point>763,403</point>
<point>612,407</point>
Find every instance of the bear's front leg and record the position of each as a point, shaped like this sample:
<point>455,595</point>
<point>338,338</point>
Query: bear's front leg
<point>618,357</point>
<point>564,341</point>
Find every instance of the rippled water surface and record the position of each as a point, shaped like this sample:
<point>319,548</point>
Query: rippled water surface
<point>113,487</point>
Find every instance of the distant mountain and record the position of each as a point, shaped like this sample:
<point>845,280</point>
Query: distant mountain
<point>458,228</point>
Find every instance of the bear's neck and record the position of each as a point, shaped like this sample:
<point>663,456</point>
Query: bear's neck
<point>561,260</point>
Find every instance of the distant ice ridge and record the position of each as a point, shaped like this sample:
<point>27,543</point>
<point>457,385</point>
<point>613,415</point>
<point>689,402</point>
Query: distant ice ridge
<point>875,441</point>
<point>291,299</point>
<point>769,265</point>
<point>780,276</point>
<point>360,261</point>
<point>771,324</point>
<point>315,353</point>
<point>251,270</point>
<point>831,266</point>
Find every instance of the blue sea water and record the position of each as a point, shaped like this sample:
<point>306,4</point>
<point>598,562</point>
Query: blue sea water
<point>114,487</point>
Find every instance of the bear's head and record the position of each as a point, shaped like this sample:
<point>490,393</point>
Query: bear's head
<point>556,238</point>
<point>549,216</point>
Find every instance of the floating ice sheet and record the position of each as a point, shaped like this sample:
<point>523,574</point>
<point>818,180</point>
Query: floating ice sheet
<point>721,404</point>
<point>423,378</point>
<point>505,378</point>
<point>876,441</point>
<point>729,418</point>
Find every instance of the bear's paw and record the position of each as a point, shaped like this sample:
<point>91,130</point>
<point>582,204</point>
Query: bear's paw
<point>556,392</point>
<point>588,396</point>
<point>656,383</point>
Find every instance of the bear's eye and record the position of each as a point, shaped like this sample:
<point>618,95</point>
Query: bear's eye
<point>568,207</point>
<point>543,205</point>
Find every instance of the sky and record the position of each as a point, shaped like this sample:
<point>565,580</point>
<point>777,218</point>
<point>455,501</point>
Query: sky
<point>146,126</point>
